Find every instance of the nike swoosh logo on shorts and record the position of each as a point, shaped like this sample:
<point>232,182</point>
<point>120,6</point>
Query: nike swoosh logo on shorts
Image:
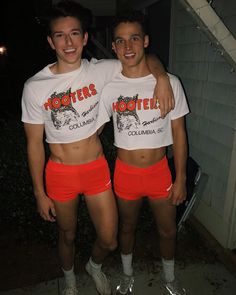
<point>108,183</point>
<point>169,187</point>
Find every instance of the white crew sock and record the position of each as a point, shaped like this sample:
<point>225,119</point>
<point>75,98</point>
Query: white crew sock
<point>70,278</point>
<point>96,267</point>
<point>127,263</point>
<point>168,269</point>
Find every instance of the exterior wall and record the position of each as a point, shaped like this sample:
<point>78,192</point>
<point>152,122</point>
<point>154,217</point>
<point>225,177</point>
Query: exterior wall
<point>211,90</point>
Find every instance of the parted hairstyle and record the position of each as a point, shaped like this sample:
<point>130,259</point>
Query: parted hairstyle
<point>130,16</point>
<point>66,8</point>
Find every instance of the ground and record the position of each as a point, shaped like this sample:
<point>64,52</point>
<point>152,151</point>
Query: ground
<point>28,244</point>
<point>29,260</point>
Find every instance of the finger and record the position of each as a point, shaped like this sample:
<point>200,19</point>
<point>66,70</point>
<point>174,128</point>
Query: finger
<point>53,211</point>
<point>154,101</point>
<point>170,195</point>
<point>49,217</point>
<point>174,200</point>
<point>162,110</point>
<point>44,217</point>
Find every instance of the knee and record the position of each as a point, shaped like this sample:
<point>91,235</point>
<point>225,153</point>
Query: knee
<point>127,228</point>
<point>68,237</point>
<point>109,244</point>
<point>112,245</point>
<point>168,233</point>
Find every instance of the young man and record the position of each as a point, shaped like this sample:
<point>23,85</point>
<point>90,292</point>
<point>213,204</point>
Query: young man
<point>141,138</point>
<point>62,101</point>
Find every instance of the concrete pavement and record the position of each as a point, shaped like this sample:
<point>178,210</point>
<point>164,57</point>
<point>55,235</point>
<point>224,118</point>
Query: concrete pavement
<point>198,279</point>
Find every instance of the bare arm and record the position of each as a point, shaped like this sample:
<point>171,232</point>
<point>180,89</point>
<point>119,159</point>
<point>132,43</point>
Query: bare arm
<point>178,192</point>
<point>36,160</point>
<point>163,90</point>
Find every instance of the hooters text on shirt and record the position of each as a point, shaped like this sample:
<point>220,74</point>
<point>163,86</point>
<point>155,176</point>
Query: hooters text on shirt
<point>139,104</point>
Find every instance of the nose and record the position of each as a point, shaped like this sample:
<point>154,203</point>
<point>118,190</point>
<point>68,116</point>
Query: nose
<point>127,44</point>
<point>68,39</point>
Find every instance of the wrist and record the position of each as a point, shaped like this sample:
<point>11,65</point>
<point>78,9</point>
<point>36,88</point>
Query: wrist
<point>163,75</point>
<point>39,194</point>
<point>180,179</point>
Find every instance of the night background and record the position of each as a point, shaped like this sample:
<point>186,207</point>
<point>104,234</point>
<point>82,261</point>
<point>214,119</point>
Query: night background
<point>27,243</point>
<point>27,50</point>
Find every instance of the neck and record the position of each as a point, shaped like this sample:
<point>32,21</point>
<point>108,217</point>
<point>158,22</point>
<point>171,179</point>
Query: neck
<point>136,71</point>
<point>61,68</point>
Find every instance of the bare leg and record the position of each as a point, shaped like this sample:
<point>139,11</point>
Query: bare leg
<point>128,212</point>
<point>164,214</point>
<point>103,212</point>
<point>67,224</point>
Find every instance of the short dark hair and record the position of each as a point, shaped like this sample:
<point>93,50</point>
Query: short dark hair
<point>66,8</point>
<point>130,16</point>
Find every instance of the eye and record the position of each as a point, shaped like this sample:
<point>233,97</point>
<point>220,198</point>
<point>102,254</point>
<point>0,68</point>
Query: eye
<point>119,41</point>
<point>75,33</point>
<point>135,38</point>
<point>58,35</point>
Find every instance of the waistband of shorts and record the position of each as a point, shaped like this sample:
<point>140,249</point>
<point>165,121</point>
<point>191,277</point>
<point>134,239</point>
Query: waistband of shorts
<point>85,166</point>
<point>140,170</point>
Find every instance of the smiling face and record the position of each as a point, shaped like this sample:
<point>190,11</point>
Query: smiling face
<point>129,44</point>
<point>67,39</point>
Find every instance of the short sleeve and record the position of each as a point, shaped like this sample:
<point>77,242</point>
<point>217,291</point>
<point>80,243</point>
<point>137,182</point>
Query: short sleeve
<point>104,111</point>
<point>181,105</point>
<point>107,68</point>
<point>31,109</point>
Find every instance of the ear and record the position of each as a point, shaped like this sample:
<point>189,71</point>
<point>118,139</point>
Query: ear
<point>146,41</point>
<point>85,38</point>
<point>50,42</point>
<point>113,46</point>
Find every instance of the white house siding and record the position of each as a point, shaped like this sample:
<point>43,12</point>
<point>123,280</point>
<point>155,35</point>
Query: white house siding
<point>211,90</point>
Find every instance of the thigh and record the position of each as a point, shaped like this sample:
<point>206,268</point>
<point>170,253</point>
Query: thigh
<point>158,180</point>
<point>128,183</point>
<point>95,177</point>
<point>164,213</point>
<point>129,210</point>
<point>103,212</point>
<point>62,181</point>
<point>66,214</point>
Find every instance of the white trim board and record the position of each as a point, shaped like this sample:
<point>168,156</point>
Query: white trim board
<point>209,218</point>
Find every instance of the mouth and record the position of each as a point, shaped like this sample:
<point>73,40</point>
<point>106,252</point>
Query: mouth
<point>70,50</point>
<point>129,55</point>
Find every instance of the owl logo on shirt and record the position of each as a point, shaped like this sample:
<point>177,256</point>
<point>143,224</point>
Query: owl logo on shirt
<point>65,114</point>
<point>127,118</point>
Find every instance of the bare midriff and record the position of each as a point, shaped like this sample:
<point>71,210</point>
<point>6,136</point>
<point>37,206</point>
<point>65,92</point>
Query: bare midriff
<point>141,158</point>
<point>79,152</point>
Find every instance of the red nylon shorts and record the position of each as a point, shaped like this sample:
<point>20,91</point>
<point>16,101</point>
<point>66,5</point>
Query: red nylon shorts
<point>132,183</point>
<point>65,182</point>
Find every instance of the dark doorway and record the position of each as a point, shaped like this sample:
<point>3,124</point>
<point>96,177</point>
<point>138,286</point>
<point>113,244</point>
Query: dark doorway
<point>159,29</point>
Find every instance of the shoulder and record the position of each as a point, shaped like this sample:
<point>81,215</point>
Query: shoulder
<point>175,83</point>
<point>104,63</point>
<point>173,79</point>
<point>40,75</point>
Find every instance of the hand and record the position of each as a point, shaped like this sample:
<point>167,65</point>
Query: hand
<point>46,208</point>
<point>178,192</point>
<point>164,94</point>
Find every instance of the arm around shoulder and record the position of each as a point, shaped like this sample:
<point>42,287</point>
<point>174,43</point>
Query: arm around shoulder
<point>163,91</point>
